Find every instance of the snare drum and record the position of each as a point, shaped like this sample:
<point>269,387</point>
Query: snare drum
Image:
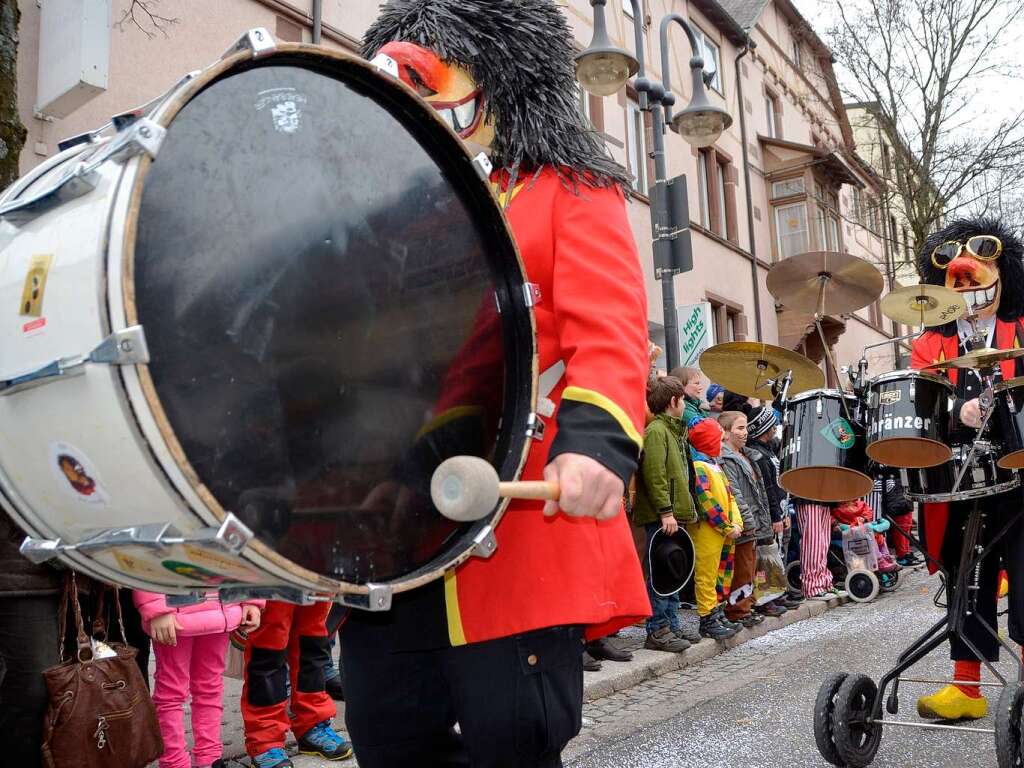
<point>1008,422</point>
<point>985,477</point>
<point>283,291</point>
<point>908,419</point>
<point>823,447</point>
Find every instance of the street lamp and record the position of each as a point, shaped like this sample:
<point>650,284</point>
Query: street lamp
<point>602,69</point>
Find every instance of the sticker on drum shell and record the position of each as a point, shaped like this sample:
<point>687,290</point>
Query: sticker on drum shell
<point>76,474</point>
<point>194,572</point>
<point>138,566</point>
<point>34,290</point>
<point>222,562</point>
<point>840,434</point>
<point>891,397</point>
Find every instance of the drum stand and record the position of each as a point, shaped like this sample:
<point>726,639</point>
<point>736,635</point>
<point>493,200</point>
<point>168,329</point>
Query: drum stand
<point>848,716</point>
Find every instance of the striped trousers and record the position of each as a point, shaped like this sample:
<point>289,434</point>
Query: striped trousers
<point>815,522</point>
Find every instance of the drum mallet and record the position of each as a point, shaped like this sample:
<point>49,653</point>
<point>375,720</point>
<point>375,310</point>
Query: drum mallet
<point>467,488</point>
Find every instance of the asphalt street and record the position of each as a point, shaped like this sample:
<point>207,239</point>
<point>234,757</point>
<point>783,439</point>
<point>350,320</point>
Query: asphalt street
<point>753,705</point>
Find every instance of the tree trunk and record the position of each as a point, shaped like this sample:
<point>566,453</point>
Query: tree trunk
<point>12,132</point>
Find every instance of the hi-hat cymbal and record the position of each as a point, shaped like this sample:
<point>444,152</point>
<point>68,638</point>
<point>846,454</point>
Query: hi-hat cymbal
<point>924,305</point>
<point>749,368</point>
<point>980,358</point>
<point>825,281</point>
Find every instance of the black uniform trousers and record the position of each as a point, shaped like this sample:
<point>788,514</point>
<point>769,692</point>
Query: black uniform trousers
<point>517,700</point>
<point>1008,554</point>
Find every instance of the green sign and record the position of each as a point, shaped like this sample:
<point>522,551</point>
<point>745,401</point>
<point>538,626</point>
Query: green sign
<point>694,331</point>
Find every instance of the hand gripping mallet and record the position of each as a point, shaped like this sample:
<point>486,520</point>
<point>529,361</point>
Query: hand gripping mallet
<point>467,488</point>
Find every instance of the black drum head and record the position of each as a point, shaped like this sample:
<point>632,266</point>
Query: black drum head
<point>318,272</point>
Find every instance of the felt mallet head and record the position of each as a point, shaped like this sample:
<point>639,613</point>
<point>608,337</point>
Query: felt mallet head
<point>465,488</point>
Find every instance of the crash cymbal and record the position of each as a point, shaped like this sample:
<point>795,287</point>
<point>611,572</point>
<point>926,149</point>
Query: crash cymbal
<point>979,358</point>
<point>749,367</point>
<point>826,281</point>
<point>924,305</point>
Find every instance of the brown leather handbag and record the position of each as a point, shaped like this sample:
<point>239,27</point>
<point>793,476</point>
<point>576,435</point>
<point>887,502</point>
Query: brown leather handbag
<point>100,714</point>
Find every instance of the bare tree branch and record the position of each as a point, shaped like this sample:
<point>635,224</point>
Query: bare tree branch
<point>143,12</point>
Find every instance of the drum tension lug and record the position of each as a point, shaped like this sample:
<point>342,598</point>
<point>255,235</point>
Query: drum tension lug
<point>231,536</point>
<point>258,40</point>
<point>531,294</point>
<point>535,427</point>
<point>184,601</point>
<point>485,544</point>
<point>377,598</point>
<point>482,164</point>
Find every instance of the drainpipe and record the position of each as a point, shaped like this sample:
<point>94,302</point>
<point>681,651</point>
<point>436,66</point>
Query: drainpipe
<point>318,20</point>
<point>747,48</point>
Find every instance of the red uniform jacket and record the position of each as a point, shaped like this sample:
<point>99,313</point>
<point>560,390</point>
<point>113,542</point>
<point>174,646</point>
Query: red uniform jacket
<point>579,248</point>
<point>934,347</point>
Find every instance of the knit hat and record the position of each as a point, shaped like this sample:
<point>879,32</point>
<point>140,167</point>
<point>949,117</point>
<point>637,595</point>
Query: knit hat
<point>714,390</point>
<point>706,437</point>
<point>761,421</point>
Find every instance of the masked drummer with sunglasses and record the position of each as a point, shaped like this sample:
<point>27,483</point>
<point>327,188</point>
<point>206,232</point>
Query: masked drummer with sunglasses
<point>980,259</point>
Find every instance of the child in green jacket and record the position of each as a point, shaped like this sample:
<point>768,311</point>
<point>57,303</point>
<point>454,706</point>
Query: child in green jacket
<point>663,501</point>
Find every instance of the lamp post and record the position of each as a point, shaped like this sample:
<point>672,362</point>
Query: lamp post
<point>602,69</point>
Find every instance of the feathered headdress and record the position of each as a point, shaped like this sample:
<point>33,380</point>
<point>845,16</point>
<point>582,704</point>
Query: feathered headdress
<point>1010,263</point>
<point>520,53</point>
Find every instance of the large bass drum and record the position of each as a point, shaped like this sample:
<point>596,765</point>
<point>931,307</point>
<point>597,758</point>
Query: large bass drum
<point>823,447</point>
<point>289,293</point>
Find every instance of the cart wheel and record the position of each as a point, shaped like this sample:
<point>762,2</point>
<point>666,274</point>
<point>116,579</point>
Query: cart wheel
<point>1009,753</point>
<point>793,576</point>
<point>824,707</point>
<point>889,581</point>
<point>855,738</point>
<point>862,585</point>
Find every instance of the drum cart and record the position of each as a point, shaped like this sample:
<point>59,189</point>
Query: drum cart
<point>848,711</point>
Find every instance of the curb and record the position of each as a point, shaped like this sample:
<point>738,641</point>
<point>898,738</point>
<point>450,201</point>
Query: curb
<point>646,665</point>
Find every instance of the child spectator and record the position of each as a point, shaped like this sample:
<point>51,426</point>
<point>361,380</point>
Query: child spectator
<point>716,398</point>
<point>748,490</point>
<point>693,383</point>
<point>190,645</point>
<point>718,525</point>
<point>815,521</point>
<point>762,450</point>
<point>857,512</point>
<point>663,501</point>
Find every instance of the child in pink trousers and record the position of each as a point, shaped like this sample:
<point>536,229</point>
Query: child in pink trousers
<point>190,645</point>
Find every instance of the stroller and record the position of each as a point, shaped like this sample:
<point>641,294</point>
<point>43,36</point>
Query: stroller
<point>867,570</point>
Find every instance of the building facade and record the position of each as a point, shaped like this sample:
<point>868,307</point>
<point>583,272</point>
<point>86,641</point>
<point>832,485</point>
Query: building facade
<point>807,187</point>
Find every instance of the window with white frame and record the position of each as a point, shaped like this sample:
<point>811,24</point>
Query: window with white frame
<point>636,146</point>
<point>771,113</point>
<point>858,206</point>
<point>787,187</point>
<point>791,229</point>
<point>711,54</point>
<point>798,56</point>
<point>723,228</point>
<point>828,218</point>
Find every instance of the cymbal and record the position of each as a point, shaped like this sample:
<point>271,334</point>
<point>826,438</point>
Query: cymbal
<point>749,367</point>
<point>924,305</point>
<point>826,281</point>
<point>979,358</point>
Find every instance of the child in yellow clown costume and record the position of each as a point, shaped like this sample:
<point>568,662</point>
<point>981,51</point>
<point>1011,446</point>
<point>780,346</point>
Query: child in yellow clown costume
<point>982,260</point>
<point>718,524</point>
<point>496,645</point>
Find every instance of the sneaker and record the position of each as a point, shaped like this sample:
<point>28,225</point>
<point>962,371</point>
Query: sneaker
<point>272,758</point>
<point>665,639</point>
<point>689,632</point>
<point>909,561</point>
<point>323,741</point>
<point>770,609</point>
<point>836,592</point>
<point>721,618</point>
<point>823,597</point>
<point>779,603</point>
<point>751,620</point>
<point>334,690</point>
<point>590,664</point>
<point>790,602</point>
<point>711,627</point>
<point>603,648</point>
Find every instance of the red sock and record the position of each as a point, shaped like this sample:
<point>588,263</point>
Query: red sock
<point>968,671</point>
